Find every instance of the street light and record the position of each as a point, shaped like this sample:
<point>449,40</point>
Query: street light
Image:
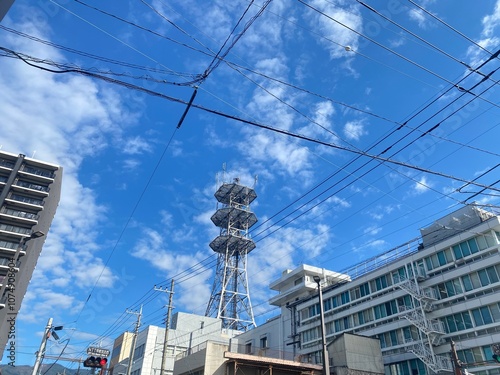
<point>20,247</point>
<point>326,359</point>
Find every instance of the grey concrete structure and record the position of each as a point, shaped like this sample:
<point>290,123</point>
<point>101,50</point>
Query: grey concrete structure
<point>29,195</point>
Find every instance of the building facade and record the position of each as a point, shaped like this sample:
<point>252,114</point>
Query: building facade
<point>416,299</point>
<point>186,333</point>
<point>29,195</point>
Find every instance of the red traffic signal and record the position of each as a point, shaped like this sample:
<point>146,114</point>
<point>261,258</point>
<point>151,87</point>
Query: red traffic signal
<point>95,362</point>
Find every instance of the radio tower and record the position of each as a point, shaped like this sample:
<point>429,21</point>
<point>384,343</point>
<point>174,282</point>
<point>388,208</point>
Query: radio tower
<point>230,300</point>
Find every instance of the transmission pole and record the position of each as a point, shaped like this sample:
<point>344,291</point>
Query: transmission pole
<point>167,325</point>
<point>41,351</point>
<point>134,338</point>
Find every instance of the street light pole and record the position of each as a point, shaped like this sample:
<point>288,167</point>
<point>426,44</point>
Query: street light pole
<point>326,359</point>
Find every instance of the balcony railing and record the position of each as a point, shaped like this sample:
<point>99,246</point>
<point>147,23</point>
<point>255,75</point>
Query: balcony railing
<point>22,198</point>
<point>32,186</point>
<point>38,172</point>
<point>17,213</point>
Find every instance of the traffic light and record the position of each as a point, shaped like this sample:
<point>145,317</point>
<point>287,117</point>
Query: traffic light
<point>496,358</point>
<point>96,362</point>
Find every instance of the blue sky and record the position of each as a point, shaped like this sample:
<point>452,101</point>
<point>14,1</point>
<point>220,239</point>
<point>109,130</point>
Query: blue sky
<point>138,192</point>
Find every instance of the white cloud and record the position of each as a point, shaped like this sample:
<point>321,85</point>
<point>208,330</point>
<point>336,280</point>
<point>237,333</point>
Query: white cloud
<point>354,130</point>
<point>489,38</point>
<point>136,145</point>
<point>372,230</point>
<point>73,118</point>
<point>330,26</point>
<point>491,22</point>
<point>418,16</point>
<point>421,186</point>
<point>170,262</point>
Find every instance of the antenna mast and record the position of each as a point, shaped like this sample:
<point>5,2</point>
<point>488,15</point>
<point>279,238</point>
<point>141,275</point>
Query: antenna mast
<point>230,299</point>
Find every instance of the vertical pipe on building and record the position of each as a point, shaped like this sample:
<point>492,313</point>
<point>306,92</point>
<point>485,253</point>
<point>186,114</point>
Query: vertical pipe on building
<point>326,359</point>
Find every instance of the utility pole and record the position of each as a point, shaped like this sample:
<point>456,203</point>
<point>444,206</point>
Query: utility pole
<point>167,325</point>
<point>134,338</point>
<point>41,351</point>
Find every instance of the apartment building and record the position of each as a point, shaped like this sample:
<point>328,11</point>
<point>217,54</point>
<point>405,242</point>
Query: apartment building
<point>29,194</point>
<point>415,299</point>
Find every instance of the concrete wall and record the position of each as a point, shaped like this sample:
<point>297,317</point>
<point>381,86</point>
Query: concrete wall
<point>358,353</point>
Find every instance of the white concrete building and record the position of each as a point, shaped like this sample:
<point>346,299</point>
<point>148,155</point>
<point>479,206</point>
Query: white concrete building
<point>186,333</point>
<point>29,194</point>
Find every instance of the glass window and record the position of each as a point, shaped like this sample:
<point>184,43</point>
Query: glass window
<point>441,258</point>
<point>465,248</point>
<point>451,324</point>
<point>483,277</point>
<point>473,245</point>
<point>481,242</point>
<point>476,283</point>
<point>495,312</point>
<point>490,240</point>
<point>467,320</point>
<point>263,342</point>
<point>428,263</point>
<point>478,318</point>
<point>365,289</point>
<point>467,283</point>
<point>382,341</point>
<point>457,286</point>
<point>492,274</point>
<point>361,318</point>
<point>327,304</point>
<point>485,313</point>
<point>488,353</point>
<point>457,252</point>
<point>394,338</point>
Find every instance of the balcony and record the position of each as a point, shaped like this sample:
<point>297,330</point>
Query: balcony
<point>31,188</point>
<point>37,172</point>
<point>17,214</point>
<point>25,201</point>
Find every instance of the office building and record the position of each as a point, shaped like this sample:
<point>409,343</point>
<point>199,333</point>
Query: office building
<point>29,194</point>
<point>416,299</point>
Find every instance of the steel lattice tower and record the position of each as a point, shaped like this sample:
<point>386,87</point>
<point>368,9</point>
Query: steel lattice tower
<point>230,299</point>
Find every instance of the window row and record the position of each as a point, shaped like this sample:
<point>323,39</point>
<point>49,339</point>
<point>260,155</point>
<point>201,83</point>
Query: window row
<point>22,198</point>
<point>460,250</point>
<point>410,367</point>
<point>14,229</point>
<point>475,355</point>
<point>466,283</point>
<point>453,323</point>
<point>18,213</point>
<point>474,318</point>
<point>443,257</point>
